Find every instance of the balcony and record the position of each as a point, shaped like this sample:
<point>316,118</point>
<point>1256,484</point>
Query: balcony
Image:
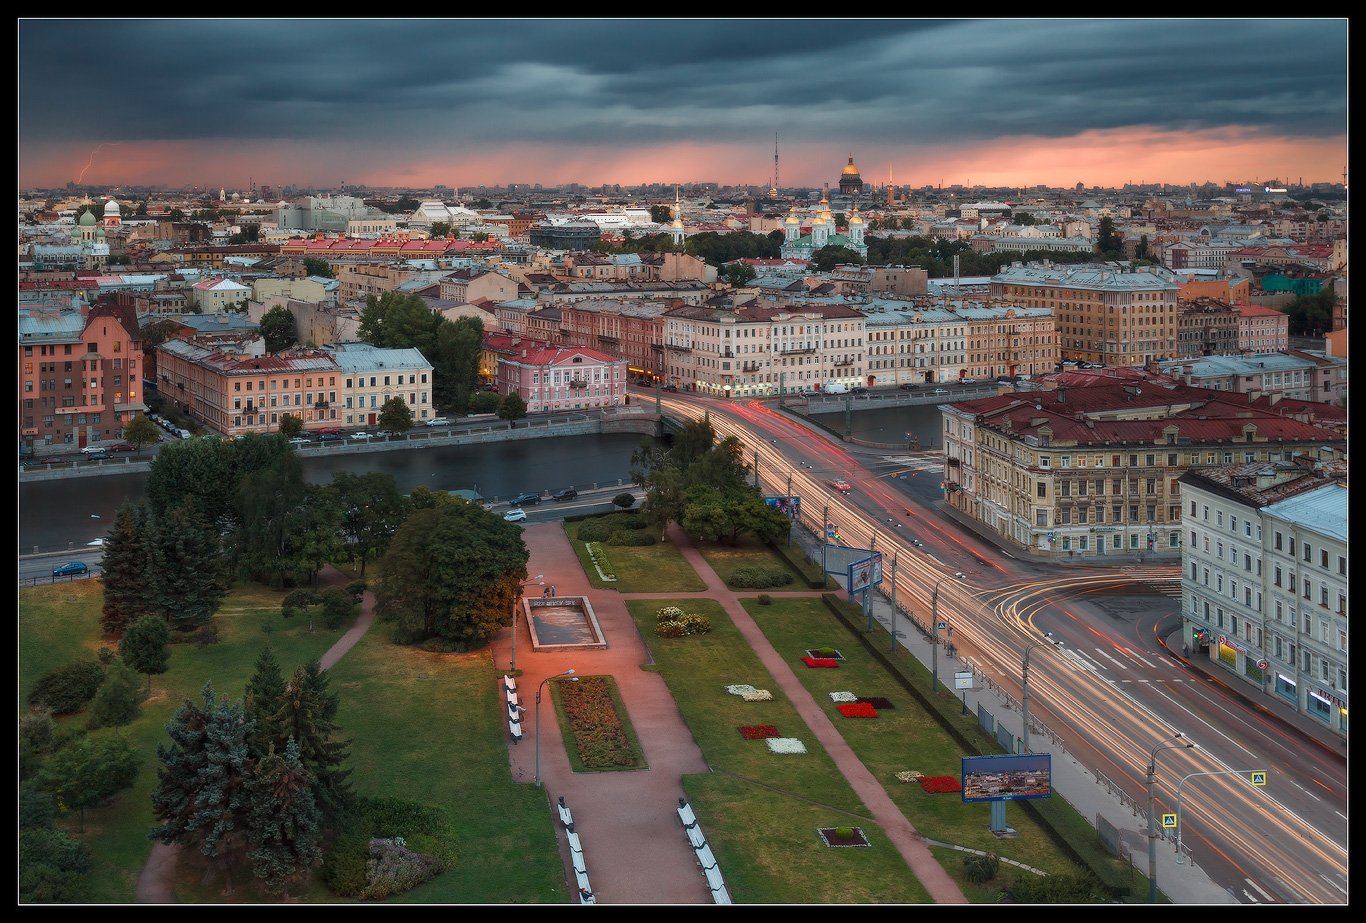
<point>797,351</point>
<point>320,405</point>
<point>749,367</point>
<point>678,347</point>
<point>577,383</point>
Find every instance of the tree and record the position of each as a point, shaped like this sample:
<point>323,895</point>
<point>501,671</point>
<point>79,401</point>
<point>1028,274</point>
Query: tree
<point>143,646</point>
<point>738,274</point>
<point>624,500</point>
<point>278,329</point>
<point>141,210</point>
<point>307,716</point>
<point>440,229</point>
<point>450,574</point>
<point>188,574</point>
<point>399,321</point>
<point>203,795</point>
<point>485,402</point>
<point>53,868</point>
<point>1311,315</point>
<point>290,425</point>
<point>1141,251</point>
<point>1109,244</point>
<point>316,266</point>
<point>261,702</point>
<point>127,569</point>
<point>284,823</point>
<point>455,372</point>
<point>116,703</point>
<point>661,214</point>
<point>176,214</point>
<point>511,407</point>
<point>372,509</point>
<point>88,771</point>
<point>828,257</point>
<point>288,528</point>
<point>197,469</point>
<point>141,432</point>
<point>395,416</point>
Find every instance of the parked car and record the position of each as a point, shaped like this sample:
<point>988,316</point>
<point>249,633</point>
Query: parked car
<point>437,421</point>
<point>329,437</point>
<point>330,431</point>
<point>858,389</point>
<point>515,515</point>
<point>909,386</point>
<point>386,433</point>
<point>361,435</point>
<point>70,569</point>
<point>98,456</point>
<point>671,387</point>
<point>92,449</point>
<point>568,493</point>
<point>299,440</point>
<point>941,390</point>
<point>525,499</point>
<point>97,543</point>
<point>121,447</point>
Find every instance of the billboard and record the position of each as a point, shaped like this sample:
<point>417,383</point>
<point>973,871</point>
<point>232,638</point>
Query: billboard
<point>1008,777</point>
<point>864,574</point>
<point>790,506</point>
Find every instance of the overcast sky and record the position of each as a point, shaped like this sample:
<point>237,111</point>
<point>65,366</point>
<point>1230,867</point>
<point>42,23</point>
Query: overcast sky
<point>400,102</point>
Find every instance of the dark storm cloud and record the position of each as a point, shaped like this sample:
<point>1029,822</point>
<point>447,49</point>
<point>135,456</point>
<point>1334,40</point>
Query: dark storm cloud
<point>455,82</point>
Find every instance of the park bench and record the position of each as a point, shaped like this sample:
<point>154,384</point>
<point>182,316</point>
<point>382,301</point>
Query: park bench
<point>509,684</point>
<point>581,879</point>
<point>695,837</point>
<point>706,859</point>
<point>514,712</point>
<point>512,698</point>
<point>685,814</point>
<point>574,845</point>
<point>566,817</point>
<point>515,728</point>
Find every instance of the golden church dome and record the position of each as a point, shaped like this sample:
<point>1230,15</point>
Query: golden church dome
<point>849,168</point>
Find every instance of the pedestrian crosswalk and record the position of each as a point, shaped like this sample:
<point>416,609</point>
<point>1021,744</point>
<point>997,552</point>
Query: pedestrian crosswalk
<point>1163,579</point>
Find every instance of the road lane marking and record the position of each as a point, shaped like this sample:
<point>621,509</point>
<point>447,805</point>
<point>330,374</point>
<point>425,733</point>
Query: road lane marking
<point>1107,656</point>
<point>1077,657</point>
<point>1141,660</point>
<point>1253,885</point>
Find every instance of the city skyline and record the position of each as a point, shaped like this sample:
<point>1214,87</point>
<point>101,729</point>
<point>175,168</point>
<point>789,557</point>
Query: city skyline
<point>417,103</point>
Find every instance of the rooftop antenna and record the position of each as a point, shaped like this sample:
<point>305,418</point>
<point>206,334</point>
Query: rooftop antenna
<point>774,190</point>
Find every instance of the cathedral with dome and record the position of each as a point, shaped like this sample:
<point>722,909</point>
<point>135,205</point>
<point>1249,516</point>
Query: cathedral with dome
<point>851,183</point>
<point>823,233</point>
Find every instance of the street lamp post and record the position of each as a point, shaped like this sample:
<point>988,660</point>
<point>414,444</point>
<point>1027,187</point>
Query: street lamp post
<point>538,718</point>
<point>516,597</point>
<point>934,627</point>
<point>1024,684</point>
<point>1152,809</point>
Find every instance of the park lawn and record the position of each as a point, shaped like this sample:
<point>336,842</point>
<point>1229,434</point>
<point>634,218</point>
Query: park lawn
<point>432,728</point>
<point>904,737</point>
<point>56,626</point>
<point>760,810</point>
<point>750,552</point>
<point>658,568</point>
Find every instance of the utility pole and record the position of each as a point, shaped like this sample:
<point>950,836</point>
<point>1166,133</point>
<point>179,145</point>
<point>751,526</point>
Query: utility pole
<point>893,604</point>
<point>756,469</point>
<point>848,416</point>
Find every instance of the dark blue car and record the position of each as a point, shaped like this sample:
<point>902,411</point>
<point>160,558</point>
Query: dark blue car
<point>70,569</point>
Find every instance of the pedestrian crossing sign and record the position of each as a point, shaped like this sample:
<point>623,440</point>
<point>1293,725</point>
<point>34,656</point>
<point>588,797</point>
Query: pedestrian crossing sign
<point>1168,821</point>
<point>1259,778</point>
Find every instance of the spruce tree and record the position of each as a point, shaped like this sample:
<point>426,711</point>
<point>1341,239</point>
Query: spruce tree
<point>203,793</point>
<point>285,820</point>
<point>188,574</point>
<point>262,701</point>
<point>126,569</point>
<point>308,713</point>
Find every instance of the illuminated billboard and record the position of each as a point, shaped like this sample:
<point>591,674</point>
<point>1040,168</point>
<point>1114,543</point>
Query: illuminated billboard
<point>789,506</point>
<point>1008,777</point>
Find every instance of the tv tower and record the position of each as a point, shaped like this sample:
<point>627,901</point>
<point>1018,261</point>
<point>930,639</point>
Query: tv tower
<point>773,193</point>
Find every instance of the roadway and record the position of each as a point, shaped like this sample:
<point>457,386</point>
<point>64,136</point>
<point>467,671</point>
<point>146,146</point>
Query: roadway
<point>1111,688</point>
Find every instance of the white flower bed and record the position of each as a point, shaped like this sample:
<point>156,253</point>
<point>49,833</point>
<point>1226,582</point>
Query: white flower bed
<point>758,695</point>
<point>843,697</point>
<point>600,562</point>
<point>909,775</point>
<point>785,745</point>
<point>740,689</point>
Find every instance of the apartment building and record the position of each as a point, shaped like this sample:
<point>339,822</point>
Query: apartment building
<point>758,350</point>
<point>370,375</point>
<point>214,295</point>
<point>928,341</point>
<point>554,378</point>
<point>1206,327</point>
<point>1091,467</point>
<point>79,376</point>
<point>1262,329</point>
<point>1264,579</point>
<point>1296,374</point>
<point>633,330</point>
<point>1103,315</point>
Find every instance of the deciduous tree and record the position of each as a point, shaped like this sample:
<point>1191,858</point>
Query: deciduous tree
<point>144,646</point>
<point>279,329</point>
<point>88,771</point>
<point>395,416</point>
<point>141,432</point>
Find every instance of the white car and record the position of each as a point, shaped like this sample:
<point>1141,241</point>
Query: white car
<point>515,515</point>
<point>437,421</point>
<point>361,436</point>
<point>299,440</point>
<point>97,543</point>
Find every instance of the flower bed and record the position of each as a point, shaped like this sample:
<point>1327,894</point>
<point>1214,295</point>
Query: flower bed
<point>843,697</point>
<point>758,731</point>
<point>830,836</point>
<point>876,701</point>
<point>820,662</point>
<point>937,785</point>
<point>595,725</point>
<point>825,653</point>
<point>785,745</point>
<point>600,562</point>
<point>857,710</point>
<point>758,695</point>
<point>740,689</point>
<point>909,775</point>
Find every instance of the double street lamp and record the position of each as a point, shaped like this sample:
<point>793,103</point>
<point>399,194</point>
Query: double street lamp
<point>1024,683</point>
<point>516,596</point>
<point>934,627</point>
<point>1152,808</point>
<point>574,679</point>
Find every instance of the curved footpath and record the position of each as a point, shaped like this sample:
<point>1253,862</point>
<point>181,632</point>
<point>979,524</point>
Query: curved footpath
<point>154,885</point>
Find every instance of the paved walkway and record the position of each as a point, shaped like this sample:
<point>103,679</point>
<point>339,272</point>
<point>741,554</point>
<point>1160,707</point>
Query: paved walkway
<point>154,885</point>
<point>634,846</point>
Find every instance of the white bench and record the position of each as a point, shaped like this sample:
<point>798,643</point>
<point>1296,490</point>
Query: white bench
<point>714,880</point>
<point>581,879</point>
<point>515,728</point>
<point>695,837</point>
<point>566,817</point>
<point>574,845</point>
<point>514,713</point>
<point>512,698</point>
<point>721,895</point>
<point>685,813</point>
<point>509,684</point>
<point>706,859</point>
<point>579,866</point>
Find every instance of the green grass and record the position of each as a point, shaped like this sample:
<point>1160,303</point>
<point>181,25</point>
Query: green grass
<point>727,559</point>
<point>61,623</point>
<point>571,744</point>
<point>658,568</point>
<point>760,810</point>
<point>904,737</point>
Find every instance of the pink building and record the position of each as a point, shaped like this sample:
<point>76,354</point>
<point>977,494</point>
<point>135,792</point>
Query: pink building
<point>554,378</point>
<point>1262,329</point>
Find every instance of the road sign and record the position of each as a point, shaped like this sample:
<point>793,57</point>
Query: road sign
<point>941,625</point>
<point>1168,821</point>
<point>1259,778</point>
<point>1262,664</point>
<point>962,679</point>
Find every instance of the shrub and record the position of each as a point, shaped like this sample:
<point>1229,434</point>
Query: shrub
<point>624,500</point>
<point>117,701</point>
<point>981,869</point>
<point>844,833</point>
<point>1076,888</point>
<point>758,578</point>
<point>298,600</point>
<point>52,867</point>
<point>357,587</point>
<point>669,614</point>
<point>343,871</point>
<point>205,635</point>
<point>67,688</point>
<point>393,869</point>
<point>419,830</point>
<point>631,538</point>
<point>338,605</point>
<point>670,629</point>
<point>631,522</point>
<point>765,599</point>
<point>36,807</point>
<point>694,624</point>
<point>106,655</point>
<point>594,530</point>
<point>826,652</point>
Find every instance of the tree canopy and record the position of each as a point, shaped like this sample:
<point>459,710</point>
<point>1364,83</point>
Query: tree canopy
<point>278,329</point>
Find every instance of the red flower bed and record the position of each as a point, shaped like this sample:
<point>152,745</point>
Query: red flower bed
<point>857,710</point>
<point>594,723</point>
<point>758,731</point>
<point>936,785</point>
<point>820,662</point>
